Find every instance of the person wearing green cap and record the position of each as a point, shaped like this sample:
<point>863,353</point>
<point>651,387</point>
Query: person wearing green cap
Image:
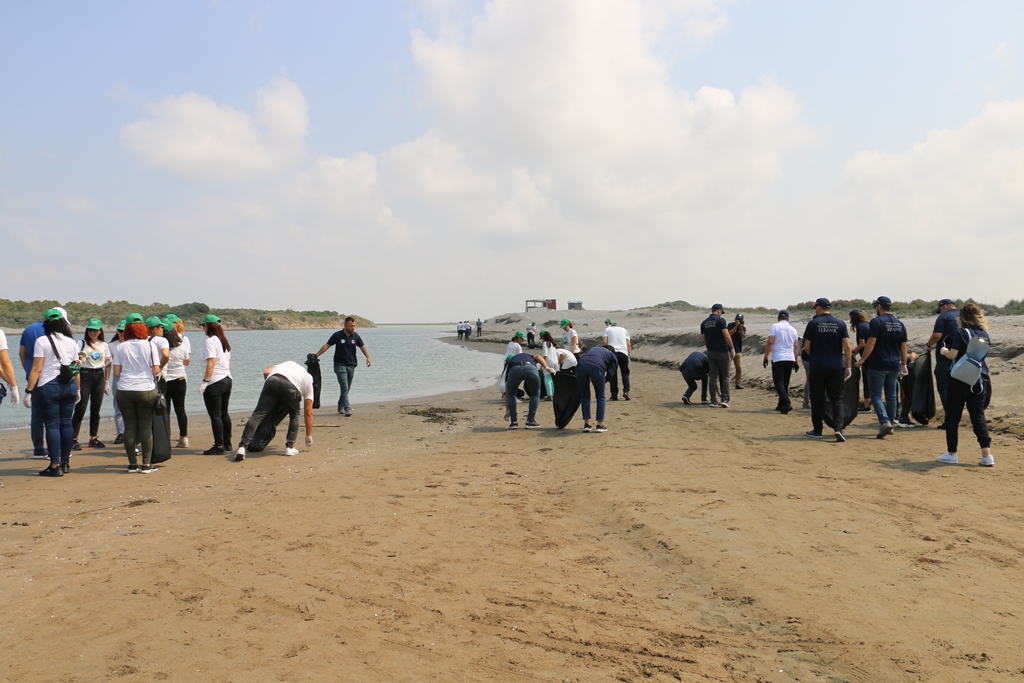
<point>216,385</point>
<point>180,355</point>
<point>156,335</point>
<point>531,335</point>
<point>118,418</point>
<point>95,362</point>
<point>570,339</point>
<point>136,366</point>
<point>514,346</point>
<point>54,379</point>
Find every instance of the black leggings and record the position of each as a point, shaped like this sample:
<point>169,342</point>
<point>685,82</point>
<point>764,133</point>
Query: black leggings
<point>176,389</point>
<point>93,384</point>
<point>959,395</point>
<point>216,398</point>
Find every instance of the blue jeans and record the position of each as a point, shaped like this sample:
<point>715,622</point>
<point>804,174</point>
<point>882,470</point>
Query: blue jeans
<point>585,376</point>
<point>884,380</point>
<point>522,374</point>
<point>345,373</point>
<point>57,407</point>
<point>37,428</point>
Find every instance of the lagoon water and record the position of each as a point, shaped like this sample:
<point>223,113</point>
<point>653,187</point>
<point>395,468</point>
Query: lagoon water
<point>409,361</point>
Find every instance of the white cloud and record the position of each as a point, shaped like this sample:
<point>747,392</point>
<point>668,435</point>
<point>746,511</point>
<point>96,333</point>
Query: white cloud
<point>196,138</point>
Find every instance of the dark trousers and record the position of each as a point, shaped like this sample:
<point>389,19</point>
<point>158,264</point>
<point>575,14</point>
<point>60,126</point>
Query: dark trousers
<point>624,369</point>
<point>942,368</point>
<point>277,391</point>
<point>691,386</point>
<point>959,395</point>
<point>527,375</point>
<point>176,389</point>
<point>827,383</point>
<point>137,410</point>
<point>216,398</point>
<point>718,374</point>
<point>93,384</point>
<point>782,371</point>
<point>587,375</point>
<point>37,429</point>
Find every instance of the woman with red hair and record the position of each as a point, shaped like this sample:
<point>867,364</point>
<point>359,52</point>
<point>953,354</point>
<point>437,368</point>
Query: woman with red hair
<point>216,386</point>
<point>136,366</point>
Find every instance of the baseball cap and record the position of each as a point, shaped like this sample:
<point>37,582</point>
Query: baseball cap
<point>519,335</point>
<point>171,318</point>
<point>783,314</point>
<point>63,313</point>
<point>884,300</point>
<point>608,320</point>
<point>121,325</point>
<point>739,316</point>
<point>718,307</point>
<point>563,322</point>
<point>542,333</point>
<point>133,318</point>
<point>854,312</point>
<point>823,302</point>
<point>94,324</point>
<point>153,321</point>
<point>946,302</point>
<point>53,314</point>
<point>211,319</point>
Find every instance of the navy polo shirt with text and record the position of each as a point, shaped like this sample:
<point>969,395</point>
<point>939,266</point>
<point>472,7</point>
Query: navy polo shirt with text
<point>826,334</point>
<point>345,347</point>
<point>889,333</point>
<point>712,328</point>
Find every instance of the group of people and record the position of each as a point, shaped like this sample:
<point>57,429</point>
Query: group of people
<point>143,369</point>
<point>465,328</point>
<point>828,357</point>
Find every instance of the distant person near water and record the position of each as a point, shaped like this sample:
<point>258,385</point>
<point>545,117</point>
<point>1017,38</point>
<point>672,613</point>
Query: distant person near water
<point>286,386</point>
<point>514,346</point>
<point>217,383</point>
<point>714,335</point>
<point>617,339</point>
<point>784,353</point>
<point>479,327</point>
<point>827,343</point>
<point>345,341</point>
<point>738,331</point>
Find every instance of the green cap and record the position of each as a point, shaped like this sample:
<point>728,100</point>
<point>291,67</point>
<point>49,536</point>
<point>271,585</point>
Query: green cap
<point>121,324</point>
<point>53,314</point>
<point>519,335</point>
<point>608,320</point>
<point>168,326</point>
<point>563,323</point>
<point>94,324</point>
<point>542,333</point>
<point>153,321</point>
<point>170,318</point>
<point>133,319</point>
<point>211,319</point>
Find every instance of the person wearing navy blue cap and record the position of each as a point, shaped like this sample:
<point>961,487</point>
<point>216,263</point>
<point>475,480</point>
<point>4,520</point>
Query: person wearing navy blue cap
<point>946,325</point>
<point>714,334</point>
<point>885,355</point>
<point>827,343</point>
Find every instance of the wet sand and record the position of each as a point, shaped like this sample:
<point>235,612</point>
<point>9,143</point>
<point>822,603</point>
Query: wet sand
<point>423,541</point>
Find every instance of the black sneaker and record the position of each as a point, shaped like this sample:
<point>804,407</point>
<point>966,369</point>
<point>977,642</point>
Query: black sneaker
<point>614,398</point>
<point>513,425</point>
<point>75,446</point>
<point>65,466</point>
<point>132,469</point>
<point>532,424</point>
<point>52,472</point>
<point>626,396</point>
<point>840,438</point>
<point>600,429</point>
<point>216,450</point>
<point>785,409</point>
<point>813,434</point>
<point>686,400</point>
<point>147,469</point>
<point>119,439</point>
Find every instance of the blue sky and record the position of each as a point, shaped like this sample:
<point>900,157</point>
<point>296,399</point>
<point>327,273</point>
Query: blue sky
<point>438,160</point>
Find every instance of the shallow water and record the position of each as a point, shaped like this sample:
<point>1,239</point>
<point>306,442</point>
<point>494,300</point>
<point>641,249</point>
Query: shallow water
<point>408,361</point>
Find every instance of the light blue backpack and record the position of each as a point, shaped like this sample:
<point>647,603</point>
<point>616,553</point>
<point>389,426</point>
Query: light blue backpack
<point>968,368</point>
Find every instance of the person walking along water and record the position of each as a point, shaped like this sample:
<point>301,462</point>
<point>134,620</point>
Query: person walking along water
<point>345,341</point>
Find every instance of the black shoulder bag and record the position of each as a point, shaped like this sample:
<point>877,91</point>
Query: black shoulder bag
<point>67,372</point>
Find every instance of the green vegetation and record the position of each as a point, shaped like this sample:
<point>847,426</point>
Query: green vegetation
<point>18,314</point>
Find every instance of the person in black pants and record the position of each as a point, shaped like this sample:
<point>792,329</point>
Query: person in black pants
<point>960,394</point>
<point>175,382</point>
<point>95,363</point>
<point>827,343</point>
<point>216,385</point>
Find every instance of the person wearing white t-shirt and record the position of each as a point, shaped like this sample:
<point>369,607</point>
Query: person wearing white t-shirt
<point>179,356</point>
<point>570,340</point>
<point>7,369</point>
<point>617,339</point>
<point>216,386</point>
<point>287,386</point>
<point>784,352</point>
<point>156,335</point>
<point>94,377</point>
<point>514,346</point>
<point>136,367</point>
<point>55,396</point>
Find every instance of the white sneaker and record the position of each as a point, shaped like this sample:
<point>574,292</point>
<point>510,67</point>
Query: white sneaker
<point>949,458</point>
<point>987,461</point>
<point>240,454</point>
<point>291,451</point>
<point>183,442</point>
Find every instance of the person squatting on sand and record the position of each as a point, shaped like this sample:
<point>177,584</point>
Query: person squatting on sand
<point>783,351</point>
<point>617,339</point>
<point>594,368</point>
<point>827,343</point>
<point>95,363</point>
<point>960,394</point>
<point>885,356</point>
<point>714,334</point>
<point>286,386</point>
<point>345,341</point>
<point>54,378</point>
<point>136,366</point>
<point>695,368</point>
<point>216,385</point>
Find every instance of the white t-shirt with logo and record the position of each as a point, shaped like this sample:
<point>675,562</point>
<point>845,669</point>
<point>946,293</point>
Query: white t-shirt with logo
<point>617,338</point>
<point>785,335</point>
<point>570,340</point>
<point>93,358</point>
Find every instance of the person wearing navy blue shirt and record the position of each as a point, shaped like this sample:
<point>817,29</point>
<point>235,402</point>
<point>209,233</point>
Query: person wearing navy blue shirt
<point>960,394</point>
<point>37,427</point>
<point>523,368</point>
<point>714,334</point>
<point>345,341</point>
<point>594,368</point>
<point>859,325</point>
<point>694,368</point>
<point>885,356</point>
<point>827,345</point>
<point>738,331</point>
<point>946,325</point>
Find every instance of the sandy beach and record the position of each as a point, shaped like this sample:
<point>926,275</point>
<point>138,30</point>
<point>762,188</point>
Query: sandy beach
<point>423,541</point>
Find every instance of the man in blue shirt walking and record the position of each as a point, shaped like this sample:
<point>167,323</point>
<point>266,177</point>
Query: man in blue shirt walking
<point>345,342</point>
<point>885,355</point>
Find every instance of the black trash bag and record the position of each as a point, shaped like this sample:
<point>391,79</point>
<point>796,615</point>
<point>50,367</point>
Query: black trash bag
<point>313,368</point>
<point>566,400</point>
<point>851,401</point>
<point>162,431</point>
<point>922,389</point>
<point>267,430</point>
